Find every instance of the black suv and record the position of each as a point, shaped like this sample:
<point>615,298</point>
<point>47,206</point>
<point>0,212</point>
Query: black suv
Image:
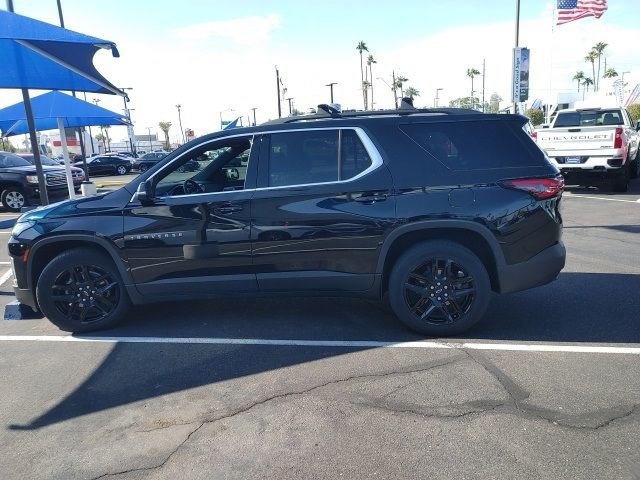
<point>434,208</point>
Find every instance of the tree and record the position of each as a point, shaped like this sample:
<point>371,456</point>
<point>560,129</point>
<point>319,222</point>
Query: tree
<point>107,137</point>
<point>634,112</point>
<point>464,102</point>
<point>412,92</point>
<point>101,138</point>
<point>586,82</point>
<point>598,49</point>
<point>610,73</point>
<point>398,84</point>
<point>362,47</point>
<point>591,58</point>
<point>494,103</point>
<point>165,126</point>
<point>578,77</point>
<point>535,115</point>
<point>471,73</point>
<point>370,62</point>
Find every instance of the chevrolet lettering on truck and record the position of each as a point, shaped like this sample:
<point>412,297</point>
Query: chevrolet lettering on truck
<point>593,145</point>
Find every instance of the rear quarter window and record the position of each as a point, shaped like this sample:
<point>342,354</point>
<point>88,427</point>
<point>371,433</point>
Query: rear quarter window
<point>475,145</point>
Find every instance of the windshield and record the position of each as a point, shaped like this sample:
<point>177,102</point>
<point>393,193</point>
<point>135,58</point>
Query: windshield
<point>11,160</point>
<point>43,158</point>
<point>589,118</point>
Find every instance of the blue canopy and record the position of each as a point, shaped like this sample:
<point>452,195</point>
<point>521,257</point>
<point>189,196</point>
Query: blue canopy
<point>35,54</point>
<point>47,108</point>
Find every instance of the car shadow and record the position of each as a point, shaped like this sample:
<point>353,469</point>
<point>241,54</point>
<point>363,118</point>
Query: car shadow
<point>577,307</point>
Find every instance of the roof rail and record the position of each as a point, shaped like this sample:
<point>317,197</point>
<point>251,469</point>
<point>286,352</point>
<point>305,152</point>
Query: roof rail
<point>326,112</point>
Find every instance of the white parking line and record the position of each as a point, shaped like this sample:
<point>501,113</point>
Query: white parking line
<point>498,346</point>
<point>573,195</point>
<point>5,276</point>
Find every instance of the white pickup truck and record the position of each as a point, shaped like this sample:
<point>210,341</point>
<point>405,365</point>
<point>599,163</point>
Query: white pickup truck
<point>593,144</point>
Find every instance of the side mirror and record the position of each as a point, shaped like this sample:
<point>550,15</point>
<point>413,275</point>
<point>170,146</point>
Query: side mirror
<point>144,194</point>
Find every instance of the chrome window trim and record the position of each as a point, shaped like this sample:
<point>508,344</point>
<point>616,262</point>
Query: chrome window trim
<point>372,151</point>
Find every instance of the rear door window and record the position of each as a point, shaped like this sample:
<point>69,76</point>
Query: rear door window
<point>473,145</point>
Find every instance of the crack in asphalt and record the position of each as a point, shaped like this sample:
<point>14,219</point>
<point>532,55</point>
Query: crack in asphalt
<point>423,368</point>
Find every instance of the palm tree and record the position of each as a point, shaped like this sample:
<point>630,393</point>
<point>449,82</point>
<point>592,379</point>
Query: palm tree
<point>101,138</point>
<point>471,73</point>
<point>610,73</point>
<point>591,58</point>
<point>107,138</point>
<point>370,62</point>
<point>598,49</point>
<point>412,92</point>
<point>362,47</point>
<point>586,82</point>
<point>578,77</point>
<point>400,80</point>
<point>165,126</point>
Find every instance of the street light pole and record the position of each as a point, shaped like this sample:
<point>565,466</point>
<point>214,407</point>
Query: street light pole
<point>184,139</point>
<point>254,115</point>
<point>435,100</point>
<point>278,90</point>
<point>129,127</point>
<point>150,145</point>
<point>290,105</point>
<point>330,85</point>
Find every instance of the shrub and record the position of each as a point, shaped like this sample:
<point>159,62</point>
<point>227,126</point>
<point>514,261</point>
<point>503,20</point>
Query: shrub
<point>634,111</point>
<point>535,115</point>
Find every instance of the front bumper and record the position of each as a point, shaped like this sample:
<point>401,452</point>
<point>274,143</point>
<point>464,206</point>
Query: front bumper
<point>25,296</point>
<point>538,270</point>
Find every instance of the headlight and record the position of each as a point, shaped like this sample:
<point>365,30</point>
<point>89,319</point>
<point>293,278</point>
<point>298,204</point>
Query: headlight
<point>32,179</point>
<point>18,228</point>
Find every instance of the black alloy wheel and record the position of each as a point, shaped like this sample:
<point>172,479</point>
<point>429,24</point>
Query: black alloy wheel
<point>81,290</point>
<point>439,291</point>
<point>439,288</point>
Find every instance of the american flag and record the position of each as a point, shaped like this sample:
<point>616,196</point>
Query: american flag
<point>570,10</point>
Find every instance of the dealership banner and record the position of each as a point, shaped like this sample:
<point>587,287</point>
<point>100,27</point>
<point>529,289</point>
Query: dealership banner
<point>520,91</point>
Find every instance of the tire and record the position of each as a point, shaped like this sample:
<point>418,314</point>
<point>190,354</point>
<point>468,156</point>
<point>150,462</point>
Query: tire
<point>13,199</point>
<point>181,169</point>
<point>620,183</point>
<point>143,168</point>
<point>410,303</point>
<point>65,291</point>
<point>634,165</point>
<point>121,170</point>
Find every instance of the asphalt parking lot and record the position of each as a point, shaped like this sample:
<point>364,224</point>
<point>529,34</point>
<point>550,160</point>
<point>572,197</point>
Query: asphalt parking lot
<point>547,386</point>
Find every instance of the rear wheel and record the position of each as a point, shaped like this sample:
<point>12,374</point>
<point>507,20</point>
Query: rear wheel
<point>121,170</point>
<point>81,290</point>
<point>439,288</point>
<point>634,171</point>
<point>13,199</point>
<point>143,168</point>
<point>620,183</point>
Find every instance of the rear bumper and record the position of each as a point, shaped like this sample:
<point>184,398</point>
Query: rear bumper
<point>538,270</point>
<point>589,173</point>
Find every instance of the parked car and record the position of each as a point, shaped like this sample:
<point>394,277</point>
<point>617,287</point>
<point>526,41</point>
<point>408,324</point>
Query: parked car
<point>592,145</point>
<point>107,165</point>
<point>19,181</point>
<point>148,160</point>
<point>432,209</point>
<point>77,173</point>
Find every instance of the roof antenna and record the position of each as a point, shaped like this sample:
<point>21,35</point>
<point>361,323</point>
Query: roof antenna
<point>407,104</point>
<point>329,110</point>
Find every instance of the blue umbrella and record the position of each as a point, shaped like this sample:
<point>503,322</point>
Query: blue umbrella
<point>39,55</point>
<point>35,54</point>
<point>47,108</point>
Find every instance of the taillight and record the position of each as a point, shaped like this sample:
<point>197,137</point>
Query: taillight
<point>617,143</point>
<point>534,135</point>
<point>540,188</point>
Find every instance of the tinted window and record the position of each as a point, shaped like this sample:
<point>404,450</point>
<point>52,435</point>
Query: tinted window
<point>587,118</point>
<point>11,160</point>
<point>354,158</point>
<point>472,145</point>
<point>297,158</point>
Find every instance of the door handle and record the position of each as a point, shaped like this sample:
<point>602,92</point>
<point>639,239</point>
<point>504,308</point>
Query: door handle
<point>225,209</point>
<point>369,199</point>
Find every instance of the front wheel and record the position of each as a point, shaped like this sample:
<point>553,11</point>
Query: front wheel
<point>13,199</point>
<point>634,171</point>
<point>439,288</point>
<point>121,170</point>
<point>620,183</point>
<point>143,168</point>
<point>80,290</point>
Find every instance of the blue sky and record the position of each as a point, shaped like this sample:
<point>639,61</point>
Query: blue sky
<point>215,55</point>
